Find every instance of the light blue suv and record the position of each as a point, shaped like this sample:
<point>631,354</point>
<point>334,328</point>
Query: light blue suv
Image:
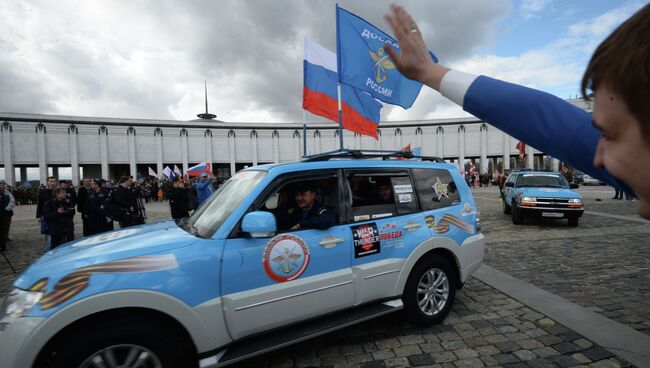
<point>237,279</point>
<point>541,194</point>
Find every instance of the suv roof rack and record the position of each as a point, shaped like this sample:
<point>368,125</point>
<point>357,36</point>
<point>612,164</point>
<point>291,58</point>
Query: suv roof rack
<point>368,154</point>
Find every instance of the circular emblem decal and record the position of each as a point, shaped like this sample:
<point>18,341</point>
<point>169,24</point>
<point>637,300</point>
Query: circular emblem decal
<point>286,257</point>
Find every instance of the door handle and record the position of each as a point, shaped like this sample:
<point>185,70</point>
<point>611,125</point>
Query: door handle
<point>330,241</point>
<point>411,226</point>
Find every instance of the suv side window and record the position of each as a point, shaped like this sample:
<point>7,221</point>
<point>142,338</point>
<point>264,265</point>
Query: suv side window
<point>380,195</point>
<point>511,178</point>
<point>281,201</point>
<point>436,188</point>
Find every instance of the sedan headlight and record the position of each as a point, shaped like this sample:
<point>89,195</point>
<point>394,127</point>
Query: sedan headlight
<point>17,304</point>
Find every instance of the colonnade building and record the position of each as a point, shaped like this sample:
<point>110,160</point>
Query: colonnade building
<point>109,148</point>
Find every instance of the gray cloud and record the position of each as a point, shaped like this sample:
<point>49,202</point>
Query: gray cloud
<point>149,59</point>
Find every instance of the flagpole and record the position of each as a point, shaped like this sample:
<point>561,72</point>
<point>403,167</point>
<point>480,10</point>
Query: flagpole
<point>338,74</point>
<point>304,134</point>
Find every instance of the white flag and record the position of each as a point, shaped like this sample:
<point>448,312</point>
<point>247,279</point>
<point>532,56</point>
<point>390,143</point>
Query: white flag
<point>177,171</point>
<point>168,172</point>
<point>152,172</point>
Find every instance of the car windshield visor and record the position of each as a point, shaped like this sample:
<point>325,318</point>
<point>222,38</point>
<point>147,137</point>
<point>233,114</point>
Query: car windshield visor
<point>542,181</point>
<point>216,209</point>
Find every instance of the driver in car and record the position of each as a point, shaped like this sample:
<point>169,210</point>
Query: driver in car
<point>310,214</point>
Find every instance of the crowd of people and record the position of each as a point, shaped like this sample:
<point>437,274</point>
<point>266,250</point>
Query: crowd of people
<point>99,203</point>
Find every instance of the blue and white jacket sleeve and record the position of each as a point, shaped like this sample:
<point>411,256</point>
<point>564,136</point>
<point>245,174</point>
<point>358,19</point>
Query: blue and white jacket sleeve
<point>537,118</point>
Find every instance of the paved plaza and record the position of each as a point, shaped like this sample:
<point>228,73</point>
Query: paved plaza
<point>598,271</point>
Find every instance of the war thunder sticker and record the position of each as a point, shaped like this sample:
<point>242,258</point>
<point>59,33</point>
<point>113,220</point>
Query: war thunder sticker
<point>366,240</point>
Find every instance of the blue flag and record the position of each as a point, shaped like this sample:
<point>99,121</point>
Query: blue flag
<point>363,63</point>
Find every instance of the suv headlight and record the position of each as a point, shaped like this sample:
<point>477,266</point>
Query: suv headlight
<point>529,199</point>
<point>575,201</point>
<point>17,304</point>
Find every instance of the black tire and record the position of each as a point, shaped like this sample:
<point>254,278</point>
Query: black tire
<point>517,217</point>
<point>506,208</point>
<point>573,221</point>
<point>411,297</point>
<point>75,347</point>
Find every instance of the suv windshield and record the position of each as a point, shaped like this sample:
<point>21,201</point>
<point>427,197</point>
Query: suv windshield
<point>542,180</point>
<point>207,219</point>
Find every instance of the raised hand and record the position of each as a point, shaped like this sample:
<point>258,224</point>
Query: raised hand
<point>413,60</point>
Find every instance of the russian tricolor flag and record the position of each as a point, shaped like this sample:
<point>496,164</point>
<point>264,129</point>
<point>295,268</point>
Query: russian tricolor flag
<point>360,110</point>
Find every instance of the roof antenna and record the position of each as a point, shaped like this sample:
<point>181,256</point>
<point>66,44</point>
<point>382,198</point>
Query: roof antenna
<point>206,115</point>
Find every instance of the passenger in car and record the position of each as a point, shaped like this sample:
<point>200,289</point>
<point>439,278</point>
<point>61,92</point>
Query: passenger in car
<point>385,191</point>
<point>310,214</point>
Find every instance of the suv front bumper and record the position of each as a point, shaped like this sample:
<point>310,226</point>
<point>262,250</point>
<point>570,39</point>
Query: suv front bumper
<point>16,349</point>
<point>539,211</point>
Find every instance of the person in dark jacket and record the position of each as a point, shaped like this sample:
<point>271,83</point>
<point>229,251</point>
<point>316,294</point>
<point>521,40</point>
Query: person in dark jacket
<point>44,196</point>
<point>58,214</point>
<point>95,213</point>
<point>126,202</point>
<point>178,200</point>
<point>4,201</point>
<point>310,214</point>
<point>82,200</point>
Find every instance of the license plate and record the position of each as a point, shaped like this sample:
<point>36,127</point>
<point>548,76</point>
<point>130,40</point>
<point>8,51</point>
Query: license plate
<point>552,214</point>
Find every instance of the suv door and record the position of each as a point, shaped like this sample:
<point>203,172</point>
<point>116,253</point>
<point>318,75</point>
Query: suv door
<point>508,192</point>
<point>294,275</point>
<point>384,230</point>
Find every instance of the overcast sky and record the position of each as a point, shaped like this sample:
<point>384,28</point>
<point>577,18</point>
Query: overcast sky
<point>148,59</point>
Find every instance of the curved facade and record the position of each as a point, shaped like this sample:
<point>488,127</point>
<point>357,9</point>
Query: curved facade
<point>109,148</point>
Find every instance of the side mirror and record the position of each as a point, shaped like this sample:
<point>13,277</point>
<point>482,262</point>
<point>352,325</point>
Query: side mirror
<point>574,186</point>
<point>260,224</point>
<point>510,184</point>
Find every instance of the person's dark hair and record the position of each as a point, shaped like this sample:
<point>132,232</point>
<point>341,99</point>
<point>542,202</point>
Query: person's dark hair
<point>622,63</point>
<point>124,179</point>
<point>51,177</point>
<point>57,190</point>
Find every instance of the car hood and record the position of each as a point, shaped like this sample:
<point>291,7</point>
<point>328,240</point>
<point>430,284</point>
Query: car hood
<point>549,192</point>
<point>120,244</point>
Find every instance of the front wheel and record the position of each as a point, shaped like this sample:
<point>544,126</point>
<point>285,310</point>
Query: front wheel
<point>517,216</point>
<point>127,342</point>
<point>430,291</point>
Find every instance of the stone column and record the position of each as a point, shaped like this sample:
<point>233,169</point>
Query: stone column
<point>254,146</point>
<point>317,144</point>
<point>207,136</point>
<point>296,145</point>
<point>231,151</point>
<point>418,138</point>
<point>484,162</point>
<point>440,131</point>
<point>157,134</point>
<point>8,152</point>
<point>40,151</point>
<point>275,137</point>
<point>398,139</point>
<point>461,149</point>
<point>530,157</point>
<point>184,152</point>
<point>506,152</point>
<point>103,151</point>
<point>378,141</point>
<point>555,164</point>
<point>357,141</point>
<point>130,141</point>
<point>73,135</point>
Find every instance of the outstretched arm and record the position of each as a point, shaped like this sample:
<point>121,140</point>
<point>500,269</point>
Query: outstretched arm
<point>539,119</point>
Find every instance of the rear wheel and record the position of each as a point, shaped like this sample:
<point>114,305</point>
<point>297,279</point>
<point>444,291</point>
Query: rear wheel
<point>126,342</point>
<point>573,221</point>
<point>430,290</point>
<point>517,216</point>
